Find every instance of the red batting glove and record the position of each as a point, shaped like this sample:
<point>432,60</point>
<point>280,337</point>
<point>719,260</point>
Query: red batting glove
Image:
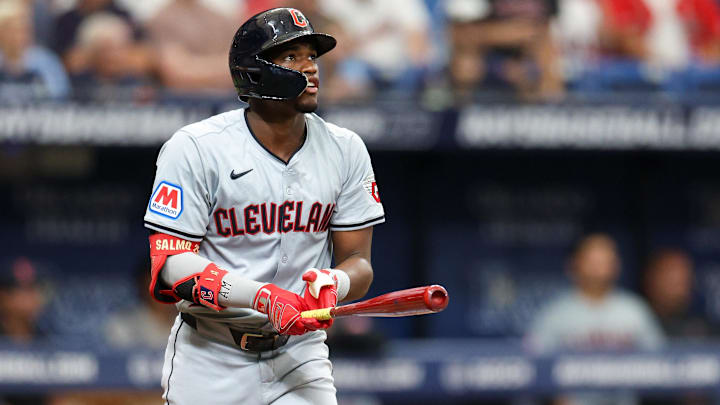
<point>320,292</point>
<point>282,308</point>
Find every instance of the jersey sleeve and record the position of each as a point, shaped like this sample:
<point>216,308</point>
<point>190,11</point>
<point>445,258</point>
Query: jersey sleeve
<point>358,205</point>
<point>179,203</point>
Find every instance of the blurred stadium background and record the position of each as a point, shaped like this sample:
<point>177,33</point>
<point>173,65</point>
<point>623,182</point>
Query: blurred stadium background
<point>503,133</point>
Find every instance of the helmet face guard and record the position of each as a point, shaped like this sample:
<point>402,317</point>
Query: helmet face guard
<point>268,80</point>
<point>256,77</point>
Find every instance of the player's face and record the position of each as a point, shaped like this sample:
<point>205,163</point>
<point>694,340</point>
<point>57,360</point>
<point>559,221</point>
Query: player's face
<point>301,56</point>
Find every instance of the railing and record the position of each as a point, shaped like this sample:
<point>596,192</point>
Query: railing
<point>422,369</point>
<point>401,125</point>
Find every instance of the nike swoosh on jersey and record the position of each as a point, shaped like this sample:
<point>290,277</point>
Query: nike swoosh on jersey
<point>234,176</point>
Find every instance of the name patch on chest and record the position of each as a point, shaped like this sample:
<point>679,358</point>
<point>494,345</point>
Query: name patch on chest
<point>167,200</point>
<point>270,218</point>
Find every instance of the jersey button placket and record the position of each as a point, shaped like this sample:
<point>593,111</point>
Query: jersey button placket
<point>287,181</point>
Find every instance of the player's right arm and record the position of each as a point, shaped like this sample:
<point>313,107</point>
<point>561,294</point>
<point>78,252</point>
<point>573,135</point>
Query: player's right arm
<point>178,214</point>
<point>191,277</point>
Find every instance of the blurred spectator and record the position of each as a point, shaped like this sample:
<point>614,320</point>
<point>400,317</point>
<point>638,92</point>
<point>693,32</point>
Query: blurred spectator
<point>146,9</point>
<point>21,304</point>
<point>147,324</point>
<point>503,43</point>
<point>108,63</point>
<point>386,40</point>
<point>27,72</point>
<point>624,27</point>
<point>596,316</point>
<point>21,301</point>
<point>663,32</point>
<point>577,30</point>
<point>68,24</point>
<point>645,43</point>
<point>192,42</point>
<point>668,286</point>
<point>337,70</point>
<point>252,7</point>
<point>43,14</point>
<point>702,23</point>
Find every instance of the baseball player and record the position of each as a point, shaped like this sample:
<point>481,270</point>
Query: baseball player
<point>248,209</point>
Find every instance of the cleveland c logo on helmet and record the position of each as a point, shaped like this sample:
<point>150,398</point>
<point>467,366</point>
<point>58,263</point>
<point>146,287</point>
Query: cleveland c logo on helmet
<point>298,18</point>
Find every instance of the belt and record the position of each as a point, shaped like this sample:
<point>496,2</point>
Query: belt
<point>249,341</point>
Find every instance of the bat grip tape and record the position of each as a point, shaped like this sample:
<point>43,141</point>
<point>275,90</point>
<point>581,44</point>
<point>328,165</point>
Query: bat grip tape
<point>321,314</point>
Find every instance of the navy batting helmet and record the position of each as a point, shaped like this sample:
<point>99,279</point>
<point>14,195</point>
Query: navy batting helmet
<point>256,77</point>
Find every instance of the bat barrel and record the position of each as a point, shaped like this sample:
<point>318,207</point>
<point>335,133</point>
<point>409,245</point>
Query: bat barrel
<point>413,301</point>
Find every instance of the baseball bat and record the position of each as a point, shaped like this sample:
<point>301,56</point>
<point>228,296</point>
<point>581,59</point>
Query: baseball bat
<point>413,301</point>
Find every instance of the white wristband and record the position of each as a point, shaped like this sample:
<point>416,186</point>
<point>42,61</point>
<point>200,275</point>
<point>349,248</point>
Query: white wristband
<point>343,283</point>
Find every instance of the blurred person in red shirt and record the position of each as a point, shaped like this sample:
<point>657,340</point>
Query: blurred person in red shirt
<point>252,7</point>
<point>702,22</point>
<point>667,33</point>
<point>191,41</point>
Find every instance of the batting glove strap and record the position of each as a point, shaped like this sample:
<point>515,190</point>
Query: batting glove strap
<point>261,302</point>
<point>202,288</point>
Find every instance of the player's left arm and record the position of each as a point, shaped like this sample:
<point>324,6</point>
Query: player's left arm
<point>358,209</point>
<point>352,255</point>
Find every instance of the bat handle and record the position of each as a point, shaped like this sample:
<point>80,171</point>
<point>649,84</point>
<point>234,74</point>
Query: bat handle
<point>321,314</point>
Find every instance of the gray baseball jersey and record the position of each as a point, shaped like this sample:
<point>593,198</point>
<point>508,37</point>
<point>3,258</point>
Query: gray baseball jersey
<point>255,214</point>
<point>621,321</point>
